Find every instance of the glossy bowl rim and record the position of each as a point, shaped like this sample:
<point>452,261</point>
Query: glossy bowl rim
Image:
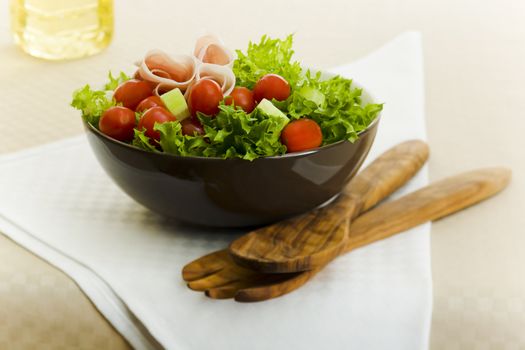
<point>98,133</point>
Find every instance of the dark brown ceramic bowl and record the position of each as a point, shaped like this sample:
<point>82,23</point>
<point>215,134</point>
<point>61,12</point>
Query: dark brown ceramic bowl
<point>232,192</point>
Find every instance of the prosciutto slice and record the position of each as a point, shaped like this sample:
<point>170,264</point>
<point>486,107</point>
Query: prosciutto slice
<point>210,60</point>
<point>168,72</point>
<point>210,49</point>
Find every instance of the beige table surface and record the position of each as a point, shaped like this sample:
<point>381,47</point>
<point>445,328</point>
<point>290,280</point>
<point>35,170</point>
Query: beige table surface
<point>475,95</point>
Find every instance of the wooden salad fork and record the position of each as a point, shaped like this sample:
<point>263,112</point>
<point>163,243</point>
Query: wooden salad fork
<point>312,239</point>
<point>220,277</point>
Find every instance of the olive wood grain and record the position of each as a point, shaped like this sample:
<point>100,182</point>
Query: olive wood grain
<point>219,277</point>
<point>433,202</point>
<point>310,240</point>
<point>440,199</point>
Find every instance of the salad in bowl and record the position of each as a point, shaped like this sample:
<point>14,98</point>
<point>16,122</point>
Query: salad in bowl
<point>216,103</point>
<point>222,138</point>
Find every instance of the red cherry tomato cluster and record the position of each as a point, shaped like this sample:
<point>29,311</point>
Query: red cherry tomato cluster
<point>136,95</point>
<point>270,86</point>
<point>298,135</point>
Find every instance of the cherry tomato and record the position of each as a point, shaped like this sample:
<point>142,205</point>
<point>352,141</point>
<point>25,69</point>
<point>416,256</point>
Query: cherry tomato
<point>301,135</point>
<point>271,86</point>
<point>205,96</point>
<point>131,92</point>
<point>242,97</point>
<point>149,102</point>
<point>118,122</point>
<point>154,115</point>
<point>190,127</point>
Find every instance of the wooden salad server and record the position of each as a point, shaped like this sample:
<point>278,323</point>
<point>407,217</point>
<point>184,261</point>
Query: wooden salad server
<point>396,166</point>
<point>220,277</point>
<point>310,240</point>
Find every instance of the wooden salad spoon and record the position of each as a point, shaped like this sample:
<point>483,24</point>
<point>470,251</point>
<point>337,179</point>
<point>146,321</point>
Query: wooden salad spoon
<point>220,277</point>
<point>312,239</point>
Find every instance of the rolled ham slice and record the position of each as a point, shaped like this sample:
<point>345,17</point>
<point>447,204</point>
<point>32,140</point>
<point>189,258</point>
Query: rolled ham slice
<point>210,60</point>
<point>223,75</point>
<point>210,49</point>
<point>168,72</point>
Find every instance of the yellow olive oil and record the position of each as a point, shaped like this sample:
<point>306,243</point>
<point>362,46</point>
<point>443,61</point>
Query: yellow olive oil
<point>62,29</point>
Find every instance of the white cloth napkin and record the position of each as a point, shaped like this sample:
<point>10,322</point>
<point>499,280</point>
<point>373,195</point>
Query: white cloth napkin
<point>58,202</point>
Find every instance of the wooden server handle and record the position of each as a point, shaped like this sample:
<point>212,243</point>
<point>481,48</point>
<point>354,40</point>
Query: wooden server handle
<point>430,203</point>
<point>386,174</point>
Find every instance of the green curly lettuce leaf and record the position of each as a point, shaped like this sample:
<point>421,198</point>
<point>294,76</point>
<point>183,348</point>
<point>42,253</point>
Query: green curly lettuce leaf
<point>92,103</point>
<point>268,56</point>
<point>173,141</point>
<point>333,103</point>
<point>140,140</point>
<point>232,133</point>
<point>114,82</point>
